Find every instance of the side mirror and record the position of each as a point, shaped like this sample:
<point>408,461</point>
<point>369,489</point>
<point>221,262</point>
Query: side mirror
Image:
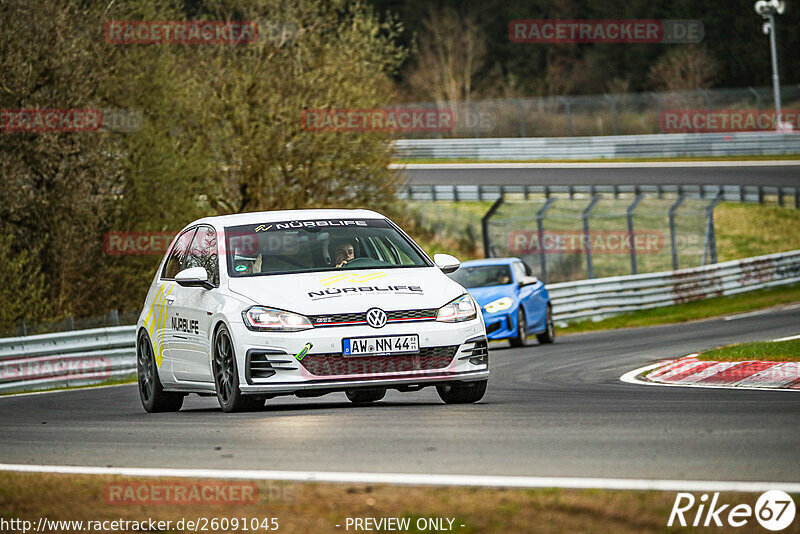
<point>193,277</point>
<point>528,281</point>
<point>446,263</point>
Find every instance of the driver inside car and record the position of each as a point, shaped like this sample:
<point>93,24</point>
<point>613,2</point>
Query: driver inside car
<point>342,253</point>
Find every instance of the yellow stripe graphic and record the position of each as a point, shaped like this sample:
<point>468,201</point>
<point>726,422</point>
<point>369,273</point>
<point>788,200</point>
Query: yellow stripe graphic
<point>162,325</point>
<point>150,311</point>
<point>353,278</point>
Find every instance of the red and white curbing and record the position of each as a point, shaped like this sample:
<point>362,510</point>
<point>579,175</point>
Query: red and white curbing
<point>689,371</point>
<point>760,374</point>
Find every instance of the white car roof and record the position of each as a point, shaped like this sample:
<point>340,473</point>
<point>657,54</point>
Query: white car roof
<point>256,217</point>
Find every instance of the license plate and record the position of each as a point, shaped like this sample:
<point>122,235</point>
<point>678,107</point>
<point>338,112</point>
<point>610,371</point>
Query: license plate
<point>380,345</point>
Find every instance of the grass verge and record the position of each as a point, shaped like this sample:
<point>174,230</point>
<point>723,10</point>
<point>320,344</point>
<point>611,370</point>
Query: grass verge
<point>319,507</point>
<point>115,382</point>
<point>776,351</point>
<point>701,309</point>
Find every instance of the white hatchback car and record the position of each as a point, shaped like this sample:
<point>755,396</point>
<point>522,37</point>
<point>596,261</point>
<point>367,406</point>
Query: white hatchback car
<point>247,307</point>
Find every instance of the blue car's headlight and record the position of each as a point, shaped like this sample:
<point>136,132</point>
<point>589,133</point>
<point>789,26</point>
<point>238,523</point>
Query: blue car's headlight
<point>499,305</point>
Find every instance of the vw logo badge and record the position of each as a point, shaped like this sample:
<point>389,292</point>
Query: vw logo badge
<point>376,317</point>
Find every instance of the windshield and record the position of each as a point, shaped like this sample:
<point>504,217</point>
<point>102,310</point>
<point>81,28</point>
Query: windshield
<point>482,276</point>
<point>318,245</point>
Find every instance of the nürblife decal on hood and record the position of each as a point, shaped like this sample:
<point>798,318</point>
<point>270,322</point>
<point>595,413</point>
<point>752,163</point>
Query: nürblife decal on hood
<point>333,292</point>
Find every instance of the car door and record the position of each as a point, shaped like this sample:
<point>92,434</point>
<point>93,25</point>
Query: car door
<point>192,310</point>
<point>531,297</point>
<point>157,321</point>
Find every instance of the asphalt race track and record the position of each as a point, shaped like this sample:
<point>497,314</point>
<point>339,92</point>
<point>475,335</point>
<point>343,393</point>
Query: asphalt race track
<point>556,410</point>
<point>730,173</point>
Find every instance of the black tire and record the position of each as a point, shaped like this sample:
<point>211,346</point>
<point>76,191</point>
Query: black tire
<point>549,334</point>
<point>364,396</point>
<point>521,339</point>
<point>151,392</point>
<point>462,393</point>
<point>226,377</point>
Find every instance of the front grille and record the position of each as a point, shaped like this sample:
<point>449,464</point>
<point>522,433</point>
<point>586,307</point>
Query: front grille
<point>429,358</point>
<point>349,319</point>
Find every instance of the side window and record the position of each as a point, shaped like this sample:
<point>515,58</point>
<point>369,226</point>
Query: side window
<point>176,258</point>
<point>203,253</point>
<point>528,271</point>
<point>519,270</point>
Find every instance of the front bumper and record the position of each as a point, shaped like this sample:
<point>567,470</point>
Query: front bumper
<point>449,352</point>
<point>500,325</point>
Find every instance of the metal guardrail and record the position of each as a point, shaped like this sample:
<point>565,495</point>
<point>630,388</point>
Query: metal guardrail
<point>90,356</point>
<point>65,359</point>
<point>604,297</point>
<point>597,147</point>
<point>782,195</point>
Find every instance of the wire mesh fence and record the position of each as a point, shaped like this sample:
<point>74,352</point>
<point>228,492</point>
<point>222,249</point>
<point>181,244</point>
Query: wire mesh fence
<point>613,114</point>
<point>594,236</point>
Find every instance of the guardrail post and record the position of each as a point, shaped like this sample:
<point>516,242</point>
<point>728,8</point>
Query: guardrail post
<point>760,194</point>
<point>629,217</point>
<point>710,238</point>
<point>487,249</point>
<point>587,242</point>
<point>672,236</point>
<point>69,324</point>
<point>780,196</point>
<point>540,231</point>
<point>22,329</point>
<point>113,318</point>
<point>797,198</point>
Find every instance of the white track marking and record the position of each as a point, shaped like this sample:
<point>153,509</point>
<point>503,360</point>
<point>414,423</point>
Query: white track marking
<point>745,315</point>
<point>632,377</point>
<point>418,479</point>
<point>790,338</point>
<point>760,312</point>
<point>593,165</point>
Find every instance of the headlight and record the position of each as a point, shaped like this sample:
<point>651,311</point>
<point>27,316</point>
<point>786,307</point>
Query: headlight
<point>269,319</point>
<point>499,305</point>
<point>461,309</point>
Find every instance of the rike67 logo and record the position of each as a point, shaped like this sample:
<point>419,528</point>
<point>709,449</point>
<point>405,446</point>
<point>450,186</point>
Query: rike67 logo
<point>774,510</point>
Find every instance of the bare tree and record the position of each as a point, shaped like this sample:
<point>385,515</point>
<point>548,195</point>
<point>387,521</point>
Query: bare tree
<point>452,49</point>
<point>684,68</point>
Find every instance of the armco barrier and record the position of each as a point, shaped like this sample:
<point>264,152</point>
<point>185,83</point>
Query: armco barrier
<point>598,147</point>
<point>66,359</point>
<point>785,195</point>
<point>603,297</point>
<point>90,356</point>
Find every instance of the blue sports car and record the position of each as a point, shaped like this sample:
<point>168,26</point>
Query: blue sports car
<point>515,304</point>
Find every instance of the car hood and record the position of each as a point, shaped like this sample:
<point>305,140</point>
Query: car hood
<point>485,295</point>
<point>350,291</point>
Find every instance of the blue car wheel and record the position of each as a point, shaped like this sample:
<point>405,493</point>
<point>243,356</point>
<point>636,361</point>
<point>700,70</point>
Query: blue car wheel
<point>521,339</point>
